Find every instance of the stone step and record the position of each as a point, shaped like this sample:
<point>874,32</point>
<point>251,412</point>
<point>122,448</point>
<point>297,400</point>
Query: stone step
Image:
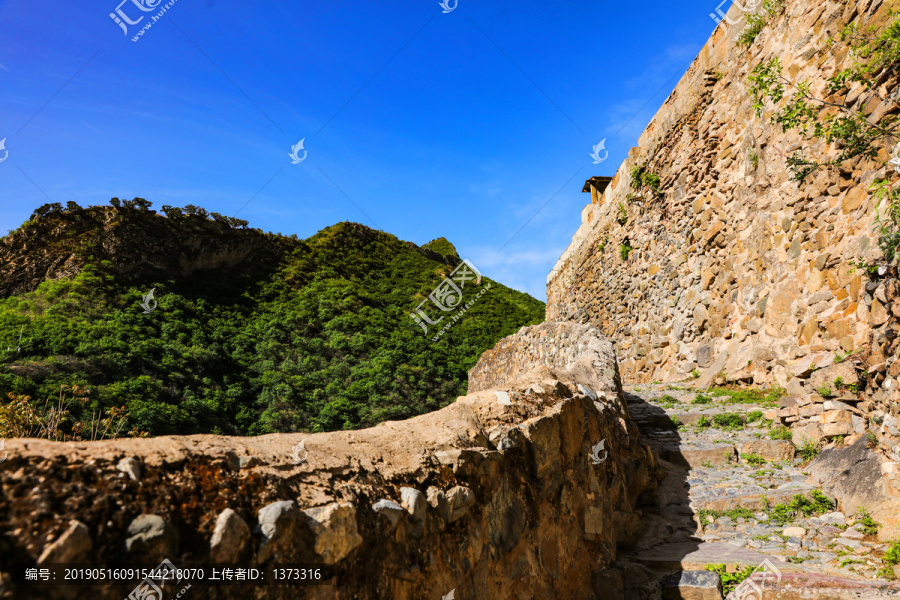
<point>771,450</point>
<point>694,556</point>
<point>785,580</point>
<point>649,421</point>
<point>696,455</point>
<point>807,585</point>
<point>752,501</point>
<point>696,585</point>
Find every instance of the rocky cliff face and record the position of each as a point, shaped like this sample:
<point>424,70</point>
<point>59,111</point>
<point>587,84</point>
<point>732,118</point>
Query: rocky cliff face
<point>737,272</point>
<point>495,496</point>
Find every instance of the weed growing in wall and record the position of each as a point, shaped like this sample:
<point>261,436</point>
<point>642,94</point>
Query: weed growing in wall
<point>623,214</point>
<point>641,178</point>
<point>848,128</point>
<point>601,247</point>
<point>756,22</point>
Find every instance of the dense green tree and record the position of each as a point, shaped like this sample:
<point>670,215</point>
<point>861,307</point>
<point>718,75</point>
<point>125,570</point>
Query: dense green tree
<point>297,335</point>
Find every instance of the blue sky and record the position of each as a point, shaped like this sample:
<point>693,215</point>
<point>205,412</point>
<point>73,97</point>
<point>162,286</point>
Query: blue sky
<point>475,125</point>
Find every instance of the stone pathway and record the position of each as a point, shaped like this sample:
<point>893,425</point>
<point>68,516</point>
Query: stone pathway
<point>717,462</point>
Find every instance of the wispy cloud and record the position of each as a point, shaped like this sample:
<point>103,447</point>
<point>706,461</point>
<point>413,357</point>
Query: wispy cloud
<point>520,269</point>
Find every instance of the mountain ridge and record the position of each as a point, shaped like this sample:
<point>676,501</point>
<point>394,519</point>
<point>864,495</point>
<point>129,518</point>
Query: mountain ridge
<point>252,332</point>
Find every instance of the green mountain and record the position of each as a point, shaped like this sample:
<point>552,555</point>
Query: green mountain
<point>251,332</point>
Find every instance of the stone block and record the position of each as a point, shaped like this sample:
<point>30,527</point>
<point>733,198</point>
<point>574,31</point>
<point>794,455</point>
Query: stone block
<point>811,410</point>
<point>835,429</point>
<point>704,356</point>
<point>151,537</point>
<point>812,433</point>
<point>593,523</point>
<point>543,433</point>
<point>278,523</point>
<point>229,537</point>
<point>771,450</point>
<point>70,547</point>
<point>390,510</point>
<point>854,199</point>
<point>826,377</point>
<point>835,416</point>
<point>335,530</point>
<point>692,585</point>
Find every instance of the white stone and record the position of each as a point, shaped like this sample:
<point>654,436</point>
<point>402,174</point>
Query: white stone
<point>131,467</point>
<point>834,518</point>
<point>229,537</point>
<point>335,530</point>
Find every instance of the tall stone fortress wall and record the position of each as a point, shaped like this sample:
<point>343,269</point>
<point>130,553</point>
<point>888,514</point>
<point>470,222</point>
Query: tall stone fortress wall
<point>737,271</point>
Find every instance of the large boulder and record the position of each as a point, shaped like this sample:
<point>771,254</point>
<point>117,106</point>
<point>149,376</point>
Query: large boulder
<point>150,538</point>
<point>229,538</point>
<point>853,475</point>
<point>335,531</point>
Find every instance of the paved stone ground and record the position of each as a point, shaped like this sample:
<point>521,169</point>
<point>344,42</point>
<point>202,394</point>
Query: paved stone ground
<point>708,469</point>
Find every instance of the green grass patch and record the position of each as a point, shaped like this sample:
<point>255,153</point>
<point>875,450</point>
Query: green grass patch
<point>754,459</point>
<point>707,516</point>
<point>866,523</point>
<point>781,433</point>
<point>808,449</point>
<point>852,561</point>
<point>754,415</point>
<point>701,399</point>
<point>728,421</point>
<point>892,555</point>
<point>666,401</point>
<point>730,580</point>
<point>767,397</point>
<point>816,504</point>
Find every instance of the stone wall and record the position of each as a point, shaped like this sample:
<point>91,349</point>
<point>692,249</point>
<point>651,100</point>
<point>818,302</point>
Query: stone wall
<point>554,345</point>
<point>739,273</point>
<point>495,496</point>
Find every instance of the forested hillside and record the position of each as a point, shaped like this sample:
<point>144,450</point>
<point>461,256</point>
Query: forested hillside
<point>251,332</point>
